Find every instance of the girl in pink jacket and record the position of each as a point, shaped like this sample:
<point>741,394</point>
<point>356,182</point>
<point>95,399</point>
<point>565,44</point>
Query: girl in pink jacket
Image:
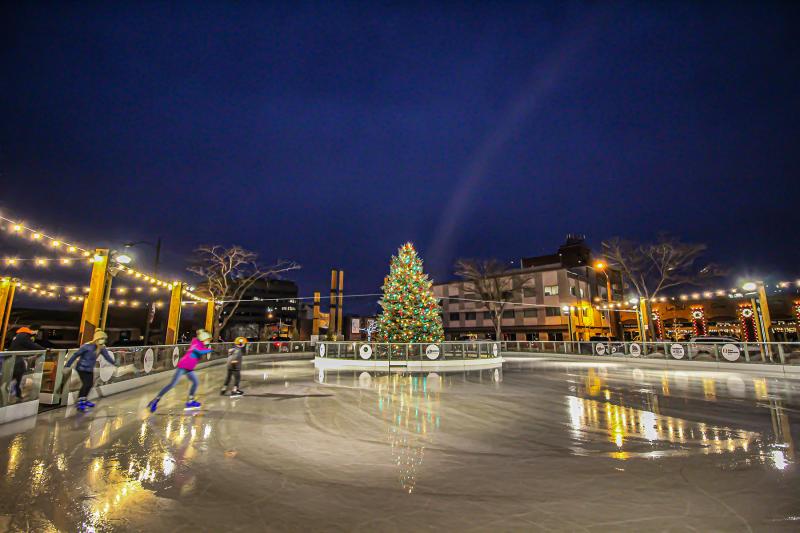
<point>186,365</point>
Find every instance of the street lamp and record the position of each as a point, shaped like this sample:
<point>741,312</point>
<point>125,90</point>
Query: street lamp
<point>758,292</point>
<point>568,309</point>
<point>149,307</point>
<point>602,267</point>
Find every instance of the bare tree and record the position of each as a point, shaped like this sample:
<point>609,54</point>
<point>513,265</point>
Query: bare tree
<point>651,268</point>
<point>491,283</point>
<point>227,273</point>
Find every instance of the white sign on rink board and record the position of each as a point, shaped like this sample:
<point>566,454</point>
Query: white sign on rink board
<point>365,351</point>
<point>432,352</point>
<point>730,352</point>
<point>600,348</point>
<point>635,349</point>
<point>677,351</point>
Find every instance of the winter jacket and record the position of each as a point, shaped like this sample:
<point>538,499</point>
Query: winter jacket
<point>22,342</point>
<point>87,357</point>
<point>193,355</point>
<point>235,357</point>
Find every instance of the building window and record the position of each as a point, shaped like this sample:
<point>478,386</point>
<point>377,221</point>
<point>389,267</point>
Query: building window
<point>530,313</point>
<point>454,317</point>
<point>572,290</point>
<point>585,311</point>
<point>552,311</point>
<point>469,316</point>
<point>531,336</point>
<point>487,315</point>
<point>528,292</point>
<point>551,290</point>
<point>508,314</point>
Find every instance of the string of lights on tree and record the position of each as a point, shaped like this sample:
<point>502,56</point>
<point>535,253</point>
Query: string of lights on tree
<point>410,309</point>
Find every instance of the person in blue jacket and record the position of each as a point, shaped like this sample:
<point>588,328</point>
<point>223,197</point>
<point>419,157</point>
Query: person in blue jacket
<point>87,358</point>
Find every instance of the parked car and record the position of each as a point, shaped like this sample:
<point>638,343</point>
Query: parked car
<point>706,346</point>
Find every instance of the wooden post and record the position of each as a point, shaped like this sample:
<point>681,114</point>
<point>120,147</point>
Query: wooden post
<point>210,317</point>
<point>95,300</point>
<point>7,288</point>
<point>340,305</point>
<point>315,323</point>
<point>332,307</point>
<point>174,317</point>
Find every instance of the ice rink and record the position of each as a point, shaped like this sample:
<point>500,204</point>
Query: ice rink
<point>538,445</point>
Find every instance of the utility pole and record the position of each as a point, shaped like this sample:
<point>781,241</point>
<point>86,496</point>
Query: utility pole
<point>150,315</point>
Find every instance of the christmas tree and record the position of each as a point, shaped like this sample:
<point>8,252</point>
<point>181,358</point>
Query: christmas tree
<point>410,310</point>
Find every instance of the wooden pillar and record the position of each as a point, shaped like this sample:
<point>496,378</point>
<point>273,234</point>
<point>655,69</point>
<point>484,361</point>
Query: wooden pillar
<point>210,317</point>
<point>315,323</point>
<point>96,299</point>
<point>762,314</point>
<point>7,289</point>
<point>340,305</point>
<point>174,317</point>
<point>332,307</point>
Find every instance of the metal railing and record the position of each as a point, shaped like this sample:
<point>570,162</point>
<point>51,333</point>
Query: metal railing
<point>781,353</point>
<point>427,351</point>
<point>51,382</point>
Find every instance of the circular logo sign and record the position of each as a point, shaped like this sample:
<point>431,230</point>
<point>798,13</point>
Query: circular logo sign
<point>432,352</point>
<point>600,348</point>
<point>106,368</point>
<point>730,352</point>
<point>147,360</point>
<point>654,316</point>
<point>495,349</point>
<point>322,350</point>
<point>697,315</point>
<point>176,353</point>
<point>677,351</point>
<point>635,349</point>
<point>365,351</point>
<point>747,312</point>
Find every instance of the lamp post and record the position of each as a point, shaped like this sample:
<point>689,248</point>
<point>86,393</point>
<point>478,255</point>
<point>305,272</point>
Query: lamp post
<point>149,307</point>
<point>602,267</point>
<point>758,293</point>
<point>568,309</point>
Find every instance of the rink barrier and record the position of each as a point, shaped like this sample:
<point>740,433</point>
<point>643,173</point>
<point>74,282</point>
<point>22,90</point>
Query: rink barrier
<point>718,354</point>
<point>12,408</point>
<point>50,383</point>
<point>411,352</point>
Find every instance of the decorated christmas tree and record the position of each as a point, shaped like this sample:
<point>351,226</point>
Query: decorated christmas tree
<point>410,310</point>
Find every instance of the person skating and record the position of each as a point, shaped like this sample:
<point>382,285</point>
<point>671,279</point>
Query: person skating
<point>22,342</point>
<point>87,358</point>
<point>186,365</point>
<point>235,355</point>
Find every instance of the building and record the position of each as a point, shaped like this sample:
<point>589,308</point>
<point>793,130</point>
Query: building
<point>540,288</point>
<point>723,313</point>
<point>269,309</point>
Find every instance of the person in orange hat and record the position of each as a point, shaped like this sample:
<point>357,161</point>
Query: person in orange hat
<point>23,342</point>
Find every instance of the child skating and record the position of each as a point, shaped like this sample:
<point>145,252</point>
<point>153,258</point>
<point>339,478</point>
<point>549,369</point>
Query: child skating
<point>235,355</point>
<point>87,358</point>
<point>186,365</point>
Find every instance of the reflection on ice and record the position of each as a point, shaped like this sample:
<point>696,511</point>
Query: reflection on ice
<point>646,432</point>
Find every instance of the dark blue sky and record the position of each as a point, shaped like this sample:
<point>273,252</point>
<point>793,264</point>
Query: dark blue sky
<point>330,132</point>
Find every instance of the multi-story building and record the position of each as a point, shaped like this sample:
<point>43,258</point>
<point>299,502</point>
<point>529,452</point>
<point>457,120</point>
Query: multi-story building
<point>540,288</point>
<point>269,309</point>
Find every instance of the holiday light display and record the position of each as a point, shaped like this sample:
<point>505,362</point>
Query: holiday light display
<point>410,310</point>
<point>658,324</point>
<point>747,320</point>
<point>699,321</point>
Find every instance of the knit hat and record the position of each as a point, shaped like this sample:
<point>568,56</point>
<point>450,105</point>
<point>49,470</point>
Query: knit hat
<point>203,335</point>
<point>99,334</point>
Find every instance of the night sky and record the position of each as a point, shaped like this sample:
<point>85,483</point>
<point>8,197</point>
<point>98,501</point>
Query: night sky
<point>330,133</point>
